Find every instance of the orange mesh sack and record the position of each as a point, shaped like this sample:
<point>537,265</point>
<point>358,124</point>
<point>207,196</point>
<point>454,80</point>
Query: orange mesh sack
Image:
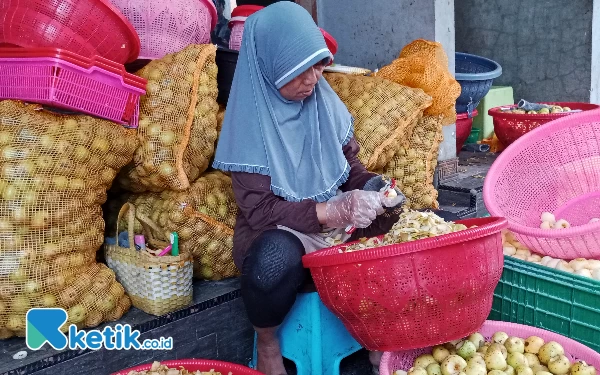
<point>177,127</point>
<point>54,173</point>
<point>423,64</point>
<point>203,217</point>
<point>414,164</point>
<point>383,113</point>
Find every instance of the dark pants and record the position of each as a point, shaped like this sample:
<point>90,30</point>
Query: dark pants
<point>272,272</point>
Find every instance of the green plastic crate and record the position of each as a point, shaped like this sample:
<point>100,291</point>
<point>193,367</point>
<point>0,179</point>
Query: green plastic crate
<point>543,297</point>
<point>497,96</point>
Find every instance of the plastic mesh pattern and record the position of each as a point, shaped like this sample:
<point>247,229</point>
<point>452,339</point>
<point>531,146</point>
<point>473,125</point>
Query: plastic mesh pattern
<point>235,38</point>
<point>383,112</point>
<point>62,84</point>
<point>86,27</point>
<point>392,361</point>
<point>166,27</point>
<point>55,170</point>
<point>554,168</point>
<point>415,294</point>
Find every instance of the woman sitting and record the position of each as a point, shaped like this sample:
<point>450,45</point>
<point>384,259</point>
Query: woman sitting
<point>287,140</point>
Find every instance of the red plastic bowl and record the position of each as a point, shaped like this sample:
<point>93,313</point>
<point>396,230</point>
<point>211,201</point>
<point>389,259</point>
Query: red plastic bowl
<point>508,127</point>
<point>85,27</point>
<point>198,365</point>
<point>464,125</point>
<point>414,294</point>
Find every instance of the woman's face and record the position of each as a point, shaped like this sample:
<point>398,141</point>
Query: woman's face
<point>302,86</point>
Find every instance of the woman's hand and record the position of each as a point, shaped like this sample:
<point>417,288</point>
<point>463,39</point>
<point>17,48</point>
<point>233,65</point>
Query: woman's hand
<point>377,183</point>
<point>356,208</point>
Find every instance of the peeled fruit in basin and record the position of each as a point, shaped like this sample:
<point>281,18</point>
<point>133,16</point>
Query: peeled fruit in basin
<point>475,369</point>
<point>523,370</point>
<point>476,359</point>
<point>549,350</point>
<point>440,353</point>
<point>544,373</point>
<point>496,372</point>
<point>515,345</point>
<point>498,348</point>
<point>499,338</point>
<point>549,217</point>
<point>484,348</point>
<point>434,369</point>
<point>582,368</point>
<point>532,359</point>
<point>453,365</point>
<point>424,360</point>
<point>517,359</point>
<point>510,370</point>
<point>477,338</point>
<point>494,360</point>
<point>465,349</point>
<point>417,371</point>
<point>539,368</point>
<point>559,365</point>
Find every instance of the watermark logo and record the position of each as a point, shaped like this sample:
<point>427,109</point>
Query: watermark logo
<point>43,326</point>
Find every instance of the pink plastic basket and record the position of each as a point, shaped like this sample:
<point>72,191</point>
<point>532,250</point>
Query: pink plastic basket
<point>198,365</point>
<point>236,24</point>
<point>237,31</point>
<point>392,361</point>
<point>86,27</point>
<point>63,79</point>
<point>554,168</point>
<point>167,26</point>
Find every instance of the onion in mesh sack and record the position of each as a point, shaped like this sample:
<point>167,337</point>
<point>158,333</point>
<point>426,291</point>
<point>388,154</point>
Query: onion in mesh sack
<point>54,172</point>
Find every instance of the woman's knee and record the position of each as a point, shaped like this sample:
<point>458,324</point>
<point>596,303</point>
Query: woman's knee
<point>274,259</point>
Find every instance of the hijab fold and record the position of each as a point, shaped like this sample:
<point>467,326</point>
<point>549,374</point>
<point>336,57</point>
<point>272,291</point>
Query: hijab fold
<point>297,143</point>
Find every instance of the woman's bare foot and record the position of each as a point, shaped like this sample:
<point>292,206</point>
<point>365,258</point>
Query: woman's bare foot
<point>270,361</point>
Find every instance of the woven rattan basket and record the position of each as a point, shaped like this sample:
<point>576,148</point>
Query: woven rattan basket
<point>156,285</point>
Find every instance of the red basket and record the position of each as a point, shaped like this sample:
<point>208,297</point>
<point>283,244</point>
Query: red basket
<point>198,365</point>
<point>510,126</point>
<point>414,294</point>
<point>464,125</point>
<point>86,27</point>
<point>63,79</point>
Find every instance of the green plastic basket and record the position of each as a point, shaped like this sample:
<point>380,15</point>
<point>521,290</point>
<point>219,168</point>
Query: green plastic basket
<point>543,297</point>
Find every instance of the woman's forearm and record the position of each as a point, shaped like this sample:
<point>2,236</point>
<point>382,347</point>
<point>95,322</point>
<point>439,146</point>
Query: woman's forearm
<point>322,212</point>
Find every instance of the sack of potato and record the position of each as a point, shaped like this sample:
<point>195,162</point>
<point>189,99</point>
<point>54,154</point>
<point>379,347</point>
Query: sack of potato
<point>203,216</point>
<point>177,127</point>
<point>383,113</point>
<point>54,173</point>
<point>413,165</point>
<point>424,64</point>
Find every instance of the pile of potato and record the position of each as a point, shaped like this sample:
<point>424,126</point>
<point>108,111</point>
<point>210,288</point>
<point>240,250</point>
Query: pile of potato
<point>383,113</point>
<point>54,173</point>
<point>177,127</point>
<point>414,162</point>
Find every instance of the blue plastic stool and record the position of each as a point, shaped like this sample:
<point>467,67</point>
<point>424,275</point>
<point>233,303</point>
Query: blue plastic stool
<point>313,338</point>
